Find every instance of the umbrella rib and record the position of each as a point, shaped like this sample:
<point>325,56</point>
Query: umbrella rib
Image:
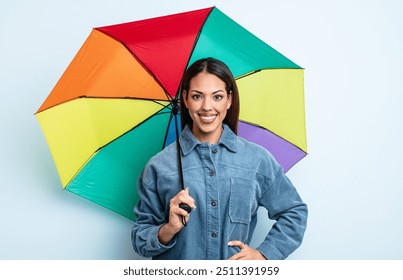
<point>124,97</point>
<point>247,74</point>
<point>158,101</point>
<point>256,71</point>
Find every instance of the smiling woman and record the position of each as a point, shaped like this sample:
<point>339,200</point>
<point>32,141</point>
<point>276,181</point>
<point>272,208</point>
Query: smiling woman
<point>214,77</point>
<point>207,102</point>
<point>227,177</point>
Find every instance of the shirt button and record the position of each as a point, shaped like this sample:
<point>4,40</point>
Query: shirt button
<point>214,235</point>
<point>153,244</point>
<point>214,151</point>
<point>211,173</point>
<point>214,203</point>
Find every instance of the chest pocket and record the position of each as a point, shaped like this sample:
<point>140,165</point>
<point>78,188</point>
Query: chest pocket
<point>243,200</point>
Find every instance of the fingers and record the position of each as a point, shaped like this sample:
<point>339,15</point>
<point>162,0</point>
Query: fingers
<point>249,254</point>
<point>175,209</point>
<point>179,211</point>
<point>239,244</point>
<point>183,197</point>
<point>190,200</point>
<point>242,254</point>
<point>246,253</point>
<point>235,257</point>
<point>176,214</point>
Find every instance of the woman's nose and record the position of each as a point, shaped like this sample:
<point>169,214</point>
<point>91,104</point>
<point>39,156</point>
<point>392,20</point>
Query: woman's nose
<point>206,106</point>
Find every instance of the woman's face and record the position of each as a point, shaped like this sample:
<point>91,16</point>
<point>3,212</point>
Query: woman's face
<point>207,102</point>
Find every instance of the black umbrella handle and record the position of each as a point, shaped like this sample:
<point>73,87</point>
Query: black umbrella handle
<point>185,207</point>
<point>175,112</point>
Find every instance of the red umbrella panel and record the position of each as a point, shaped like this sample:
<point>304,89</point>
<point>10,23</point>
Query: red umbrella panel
<point>111,110</point>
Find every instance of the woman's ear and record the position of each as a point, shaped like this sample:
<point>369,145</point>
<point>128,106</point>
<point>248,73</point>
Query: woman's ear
<point>185,98</point>
<point>229,102</point>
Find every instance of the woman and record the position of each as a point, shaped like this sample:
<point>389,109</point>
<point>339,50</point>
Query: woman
<point>227,179</point>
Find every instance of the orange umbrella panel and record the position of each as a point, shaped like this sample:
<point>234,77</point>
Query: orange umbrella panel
<point>104,68</point>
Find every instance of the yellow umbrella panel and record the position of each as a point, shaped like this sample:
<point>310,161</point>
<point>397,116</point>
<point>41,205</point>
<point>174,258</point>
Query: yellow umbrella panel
<point>274,99</point>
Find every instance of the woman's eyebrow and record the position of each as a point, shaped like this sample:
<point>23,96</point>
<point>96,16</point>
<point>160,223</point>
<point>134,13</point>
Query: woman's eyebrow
<point>196,91</point>
<point>217,91</point>
<point>200,92</point>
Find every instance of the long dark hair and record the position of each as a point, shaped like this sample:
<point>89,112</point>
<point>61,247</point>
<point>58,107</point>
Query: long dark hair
<point>221,70</point>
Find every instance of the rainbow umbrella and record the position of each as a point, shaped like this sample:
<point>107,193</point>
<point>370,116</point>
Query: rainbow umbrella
<point>111,110</point>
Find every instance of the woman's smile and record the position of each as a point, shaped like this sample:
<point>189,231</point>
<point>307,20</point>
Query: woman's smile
<point>207,118</point>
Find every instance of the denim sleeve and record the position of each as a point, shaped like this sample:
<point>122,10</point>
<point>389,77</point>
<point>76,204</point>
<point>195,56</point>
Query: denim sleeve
<point>150,217</point>
<point>284,205</point>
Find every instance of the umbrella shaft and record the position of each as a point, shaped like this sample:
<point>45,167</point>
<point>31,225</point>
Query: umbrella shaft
<point>178,147</point>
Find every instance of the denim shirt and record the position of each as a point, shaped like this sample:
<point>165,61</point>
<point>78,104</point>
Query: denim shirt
<point>228,181</point>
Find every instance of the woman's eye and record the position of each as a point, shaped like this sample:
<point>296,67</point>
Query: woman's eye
<point>196,96</point>
<point>218,97</point>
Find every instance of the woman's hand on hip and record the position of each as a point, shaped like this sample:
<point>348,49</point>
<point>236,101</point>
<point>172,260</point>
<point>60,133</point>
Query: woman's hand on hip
<point>246,253</point>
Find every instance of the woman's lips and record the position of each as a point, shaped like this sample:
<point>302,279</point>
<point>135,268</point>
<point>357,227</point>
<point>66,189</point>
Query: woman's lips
<point>207,118</point>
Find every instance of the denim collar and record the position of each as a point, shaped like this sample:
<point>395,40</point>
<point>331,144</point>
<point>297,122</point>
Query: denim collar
<point>188,141</point>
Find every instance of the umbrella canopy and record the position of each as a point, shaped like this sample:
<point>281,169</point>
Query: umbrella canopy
<point>112,108</point>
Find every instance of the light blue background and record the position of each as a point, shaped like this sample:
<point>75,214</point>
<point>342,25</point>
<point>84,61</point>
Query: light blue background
<point>352,179</point>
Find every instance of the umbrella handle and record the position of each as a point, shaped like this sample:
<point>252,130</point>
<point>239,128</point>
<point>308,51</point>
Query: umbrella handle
<point>185,207</point>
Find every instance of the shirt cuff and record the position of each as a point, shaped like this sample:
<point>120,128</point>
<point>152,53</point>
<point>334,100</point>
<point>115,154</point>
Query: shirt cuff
<point>154,245</point>
<point>270,252</point>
